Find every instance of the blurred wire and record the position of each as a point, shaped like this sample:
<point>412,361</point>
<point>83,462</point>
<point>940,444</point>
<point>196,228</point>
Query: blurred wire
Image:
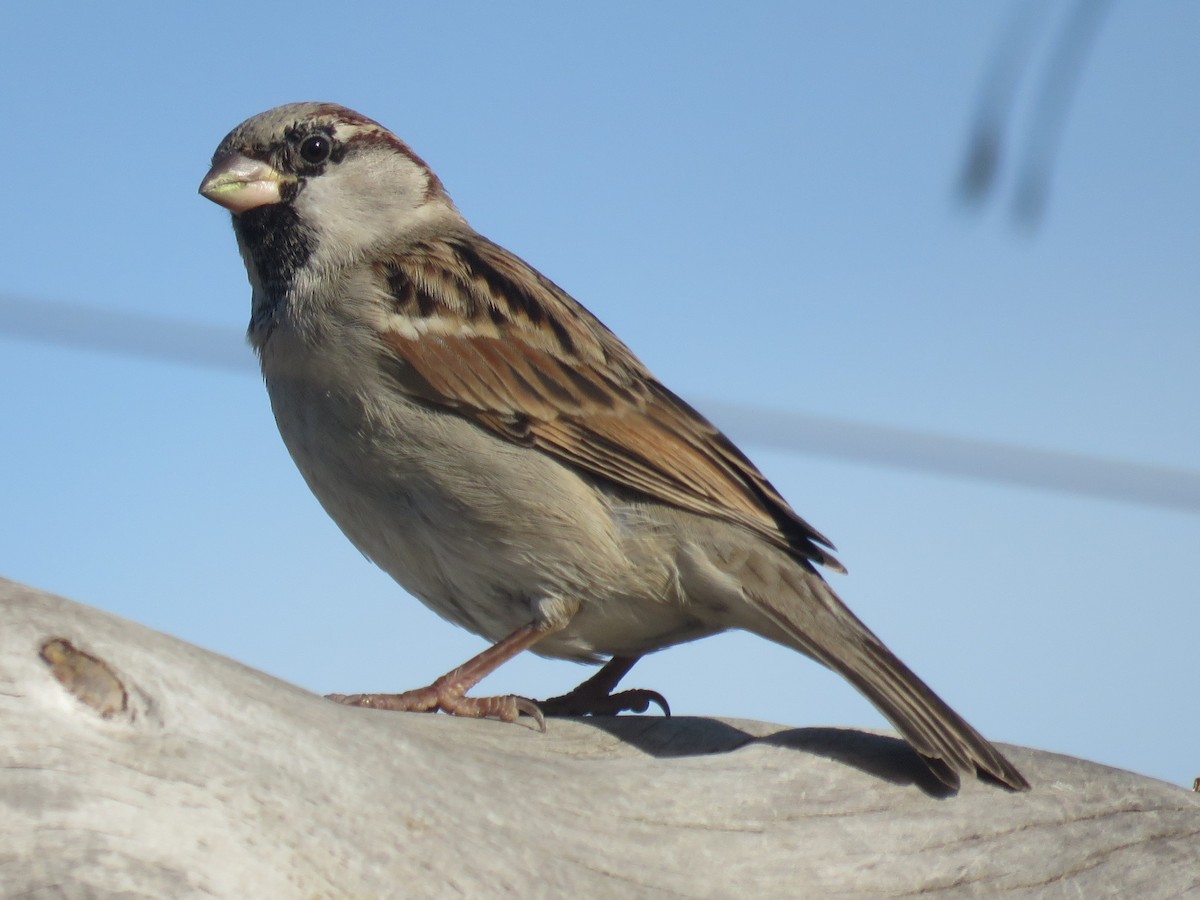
<point>981,167</point>
<point>1067,59</point>
<point>179,343</point>
<point>1072,473</point>
<point>124,334</point>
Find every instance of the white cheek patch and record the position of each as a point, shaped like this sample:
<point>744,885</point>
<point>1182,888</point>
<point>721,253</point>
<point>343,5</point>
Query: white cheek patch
<point>361,205</point>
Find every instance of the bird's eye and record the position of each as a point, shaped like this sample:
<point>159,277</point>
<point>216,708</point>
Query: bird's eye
<point>315,149</point>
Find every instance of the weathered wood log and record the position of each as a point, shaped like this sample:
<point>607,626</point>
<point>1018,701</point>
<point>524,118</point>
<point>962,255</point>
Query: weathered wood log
<point>133,763</point>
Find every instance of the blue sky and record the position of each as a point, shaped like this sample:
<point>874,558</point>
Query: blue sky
<point>758,199</point>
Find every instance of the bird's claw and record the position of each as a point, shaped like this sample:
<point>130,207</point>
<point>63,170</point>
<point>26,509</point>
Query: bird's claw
<point>590,703</point>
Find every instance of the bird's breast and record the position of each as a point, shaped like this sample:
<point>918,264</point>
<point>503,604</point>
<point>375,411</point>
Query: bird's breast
<point>480,529</point>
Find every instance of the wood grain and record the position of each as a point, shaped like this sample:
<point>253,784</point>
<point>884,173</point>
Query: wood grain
<point>217,780</point>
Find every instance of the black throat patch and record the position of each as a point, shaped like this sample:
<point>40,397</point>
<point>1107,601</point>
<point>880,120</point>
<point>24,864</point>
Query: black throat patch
<point>279,244</point>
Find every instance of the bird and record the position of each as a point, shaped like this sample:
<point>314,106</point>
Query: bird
<point>484,439</point>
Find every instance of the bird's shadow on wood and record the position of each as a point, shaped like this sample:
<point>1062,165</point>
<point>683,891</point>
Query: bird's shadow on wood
<point>884,757</point>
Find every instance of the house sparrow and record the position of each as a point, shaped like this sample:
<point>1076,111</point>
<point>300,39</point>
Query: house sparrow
<point>485,440</point>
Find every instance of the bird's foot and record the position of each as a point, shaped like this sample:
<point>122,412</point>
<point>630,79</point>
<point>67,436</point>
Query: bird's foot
<point>449,698</point>
<point>595,696</point>
<point>583,703</point>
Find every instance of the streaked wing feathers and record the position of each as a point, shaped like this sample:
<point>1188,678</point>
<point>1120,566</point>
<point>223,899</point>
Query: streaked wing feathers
<point>480,332</point>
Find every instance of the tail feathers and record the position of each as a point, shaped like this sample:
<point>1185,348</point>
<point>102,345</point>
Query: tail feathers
<point>949,746</point>
<point>947,743</point>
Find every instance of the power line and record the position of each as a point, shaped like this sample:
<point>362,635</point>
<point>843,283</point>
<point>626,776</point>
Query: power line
<point>83,327</point>
<point>1063,70</point>
<point>172,341</point>
<point>1072,473</point>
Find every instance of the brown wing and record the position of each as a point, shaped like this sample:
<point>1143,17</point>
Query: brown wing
<point>478,331</point>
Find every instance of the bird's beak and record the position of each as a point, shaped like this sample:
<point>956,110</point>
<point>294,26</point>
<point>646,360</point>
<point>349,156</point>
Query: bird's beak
<point>240,183</point>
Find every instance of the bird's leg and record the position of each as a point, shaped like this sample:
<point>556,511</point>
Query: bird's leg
<point>595,696</point>
<point>448,692</point>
